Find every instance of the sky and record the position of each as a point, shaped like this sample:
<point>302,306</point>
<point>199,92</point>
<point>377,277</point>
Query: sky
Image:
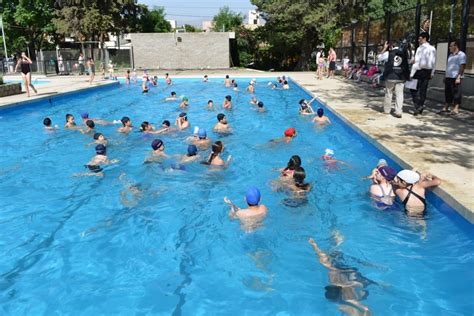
<point>194,12</point>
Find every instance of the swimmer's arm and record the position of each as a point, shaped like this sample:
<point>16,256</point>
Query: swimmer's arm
<point>323,258</point>
<point>430,181</point>
<point>311,101</point>
<point>228,161</point>
<point>233,208</point>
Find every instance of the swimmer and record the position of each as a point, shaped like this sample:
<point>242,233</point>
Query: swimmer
<point>47,124</point>
<point>173,97</point>
<point>202,142</point>
<point>410,189</point>
<point>287,173</point>
<point>99,138</point>
<point>191,155</point>
<point>166,128</point>
<point>254,101</point>
<point>184,103</point>
<point>210,105</point>
<point>70,124</point>
<point>227,81</point>
<point>215,157</point>
<point>227,104</point>
<point>234,84</point>
<point>251,87</point>
<point>147,128</point>
<point>154,81</point>
<point>99,159</point>
<point>127,77</point>
<point>127,125</point>
<point>290,133</point>
<point>168,79</point>
<point>305,107</point>
<point>85,117</point>
<point>251,217</point>
<point>222,126</point>
<point>205,78</point>
<point>195,135</point>
<point>90,127</point>
<point>145,76</point>
<point>375,171</point>
<point>382,191</point>
<point>299,186</point>
<point>285,85</point>
<point>158,152</point>
<point>145,86</point>
<point>260,107</point>
<point>321,119</point>
<point>182,121</point>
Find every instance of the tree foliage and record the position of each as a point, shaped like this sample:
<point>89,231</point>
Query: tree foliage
<point>226,20</point>
<point>154,21</point>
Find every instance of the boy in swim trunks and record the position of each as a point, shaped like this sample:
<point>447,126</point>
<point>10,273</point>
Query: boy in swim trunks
<point>252,216</point>
<point>127,125</point>
<point>321,119</point>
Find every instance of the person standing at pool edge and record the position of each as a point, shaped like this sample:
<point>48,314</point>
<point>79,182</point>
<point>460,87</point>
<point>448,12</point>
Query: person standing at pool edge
<point>24,63</point>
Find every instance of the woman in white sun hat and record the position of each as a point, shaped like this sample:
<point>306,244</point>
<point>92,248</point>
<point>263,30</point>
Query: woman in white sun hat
<point>411,190</point>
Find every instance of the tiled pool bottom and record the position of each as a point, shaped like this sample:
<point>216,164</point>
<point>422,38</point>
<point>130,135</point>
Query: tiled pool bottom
<point>72,247</point>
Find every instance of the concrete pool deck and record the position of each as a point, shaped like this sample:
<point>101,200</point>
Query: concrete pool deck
<point>438,144</point>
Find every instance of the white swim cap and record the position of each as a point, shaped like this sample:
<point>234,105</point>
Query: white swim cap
<point>409,176</point>
<point>196,130</point>
<point>329,152</point>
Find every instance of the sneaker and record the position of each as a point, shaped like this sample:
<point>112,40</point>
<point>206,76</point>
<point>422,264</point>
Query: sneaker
<point>397,115</point>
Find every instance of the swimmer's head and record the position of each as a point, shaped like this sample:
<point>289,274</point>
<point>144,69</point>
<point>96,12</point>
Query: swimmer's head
<point>85,115</point>
<point>320,112</point>
<point>205,76</point>
<point>47,122</point>
<point>202,133</point>
<point>260,104</point>
<point>210,102</point>
<point>217,147</point>
<point>221,117</point>
<point>185,99</point>
<point>184,116</point>
<point>166,123</point>
<point>227,76</point>
<point>253,196</point>
<point>228,98</point>
<point>145,126</point>
<point>299,175</point>
<point>196,130</point>
<point>100,149</point>
<point>192,150</point>
<point>295,161</point>
<point>98,136</point>
<point>173,94</point>
<point>69,118</point>
<point>328,152</point>
<point>90,124</point>
<point>290,132</point>
<point>302,101</point>
<point>157,144</point>
<point>125,120</point>
<point>285,82</point>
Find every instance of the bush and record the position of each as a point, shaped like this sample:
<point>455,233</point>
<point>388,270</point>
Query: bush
<point>1,80</point>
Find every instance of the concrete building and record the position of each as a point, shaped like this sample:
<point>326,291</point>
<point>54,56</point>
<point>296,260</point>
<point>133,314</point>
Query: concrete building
<point>254,20</point>
<point>173,24</point>
<point>209,50</point>
<point>207,26</point>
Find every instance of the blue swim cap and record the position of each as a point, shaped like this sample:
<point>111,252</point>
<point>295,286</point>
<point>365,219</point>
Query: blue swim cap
<point>156,144</point>
<point>100,149</point>
<point>192,150</point>
<point>253,196</point>
<point>202,133</point>
<point>320,112</point>
<point>85,115</point>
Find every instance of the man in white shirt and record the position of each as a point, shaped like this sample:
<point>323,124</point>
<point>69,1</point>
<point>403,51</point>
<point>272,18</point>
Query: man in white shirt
<point>452,82</point>
<point>423,70</point>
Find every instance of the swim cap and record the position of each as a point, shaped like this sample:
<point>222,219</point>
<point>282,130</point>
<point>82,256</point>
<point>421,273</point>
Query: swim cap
<point>290,132</point>
<point>320,112</point>
<point>90,123</point>
<point>100,149</point>
<point>228,98</point>
<point>260,104</point>
<point>166,122</point>
<point>387,172</point>
<point>202,133</point>
<point>125,120</point>
<point>183,98</point>
<point>210,101</point>
<point>302,101</point>
<point>173,93</point>
<point>192,150</point>
<point>156,144</point>
<point>253,196</point>
<point>329,152</point>
<point>84,115</point>
<point>196,130</point>
<point>47,121</point>
<point>409,176</point>
<point>381,163</point>
<point>220,116</point>
<point>183,114</point>
<point>97,135</point>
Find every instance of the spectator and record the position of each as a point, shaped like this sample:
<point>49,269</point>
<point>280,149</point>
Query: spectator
<point>423,70</point>
<point>80,60</point>
<point>454,75</point>
<point>358,70</point>
<point>395,73</point>
<point>345,65</point>
<point>332,62</point>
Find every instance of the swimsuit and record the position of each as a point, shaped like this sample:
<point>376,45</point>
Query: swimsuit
<point>386,200</point>
<point>422,199</point>
<point>94,168</point>
<point>25,68</point>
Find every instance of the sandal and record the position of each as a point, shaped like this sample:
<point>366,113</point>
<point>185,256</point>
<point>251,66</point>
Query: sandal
<point>443,111</point>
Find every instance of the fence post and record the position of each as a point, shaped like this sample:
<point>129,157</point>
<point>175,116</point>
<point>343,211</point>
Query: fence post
<point>132,58</point>
<point>417,21</point>
<point>388,23</point>
<point>367,28</point>
<point>464,24</point>
<point>353,42</point>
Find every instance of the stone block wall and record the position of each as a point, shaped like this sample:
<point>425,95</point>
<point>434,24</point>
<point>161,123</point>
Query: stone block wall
<point>181,50</point>
<point>10,89</point>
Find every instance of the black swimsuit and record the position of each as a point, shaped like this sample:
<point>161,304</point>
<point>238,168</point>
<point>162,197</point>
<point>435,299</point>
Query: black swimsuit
<point>25,68</point>
<point>422,199</point>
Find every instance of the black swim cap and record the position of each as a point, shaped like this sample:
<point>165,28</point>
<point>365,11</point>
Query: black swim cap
<point>68,116</point>
<point>173,93</point>
<point>90,123</point>
<point>125,120</point>
<point>166,122</point>
<point>156,144</point>
<point>183,114</point>
<point>100,149</point>
<point>210,101</point>
<point>47,121</point>
<point>220,116</point>
<point>260,104</point>
<point>97,135</point>
<point>228,97</point>
<point>301,101</point>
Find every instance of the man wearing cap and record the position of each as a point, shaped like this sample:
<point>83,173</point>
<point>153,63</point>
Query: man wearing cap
<point>251,217</point>
<point>411,188</point>
<point>382,190</point>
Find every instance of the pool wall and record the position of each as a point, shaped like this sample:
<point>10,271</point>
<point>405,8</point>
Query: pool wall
<point>438,197</point>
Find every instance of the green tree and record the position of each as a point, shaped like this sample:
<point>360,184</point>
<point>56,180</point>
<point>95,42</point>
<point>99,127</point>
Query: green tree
<point>191,28</point>
<point>226,20</point>
<point>154,21</point>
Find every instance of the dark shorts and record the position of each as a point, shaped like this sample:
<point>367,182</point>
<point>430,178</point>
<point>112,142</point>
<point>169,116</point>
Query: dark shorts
<point>94,168</point>
<point>452,91</point>
<point>332,65</point>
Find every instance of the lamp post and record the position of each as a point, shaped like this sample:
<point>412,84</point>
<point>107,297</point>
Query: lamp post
<point>3,35</point>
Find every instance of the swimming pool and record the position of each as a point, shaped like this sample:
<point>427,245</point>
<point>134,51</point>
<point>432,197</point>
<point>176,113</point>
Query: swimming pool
<point>33,81</point>
<point>70,245</point>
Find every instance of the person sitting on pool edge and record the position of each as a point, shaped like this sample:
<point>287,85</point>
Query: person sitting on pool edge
<point>127,125</point>
<point>215,156</point>
<point>290,133</point>
<point>305,107</point>
<point>382,191</point>
<point>222,126</point>
<point>227,104</point>
<point>321,119</point>
<point>99,138</point>
<point>252,216</point>
<point>173,97</point>
<point>99,159</point>
<point>182,121</point>
<point>47,124</point>
<point>184,103</point>
<point>410,189</point>
<point>202,142</point>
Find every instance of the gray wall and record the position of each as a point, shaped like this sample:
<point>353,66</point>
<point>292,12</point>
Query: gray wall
<point>195,51</point>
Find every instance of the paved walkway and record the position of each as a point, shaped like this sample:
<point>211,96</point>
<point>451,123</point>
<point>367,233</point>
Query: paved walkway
<point>439,144</point>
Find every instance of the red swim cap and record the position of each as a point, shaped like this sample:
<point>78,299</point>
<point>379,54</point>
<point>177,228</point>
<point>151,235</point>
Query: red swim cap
<point>290,132</point>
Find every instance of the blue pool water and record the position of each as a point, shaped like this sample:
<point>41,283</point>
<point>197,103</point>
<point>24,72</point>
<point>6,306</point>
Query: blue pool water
<point>71,246</point>
<point>33,81</point>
